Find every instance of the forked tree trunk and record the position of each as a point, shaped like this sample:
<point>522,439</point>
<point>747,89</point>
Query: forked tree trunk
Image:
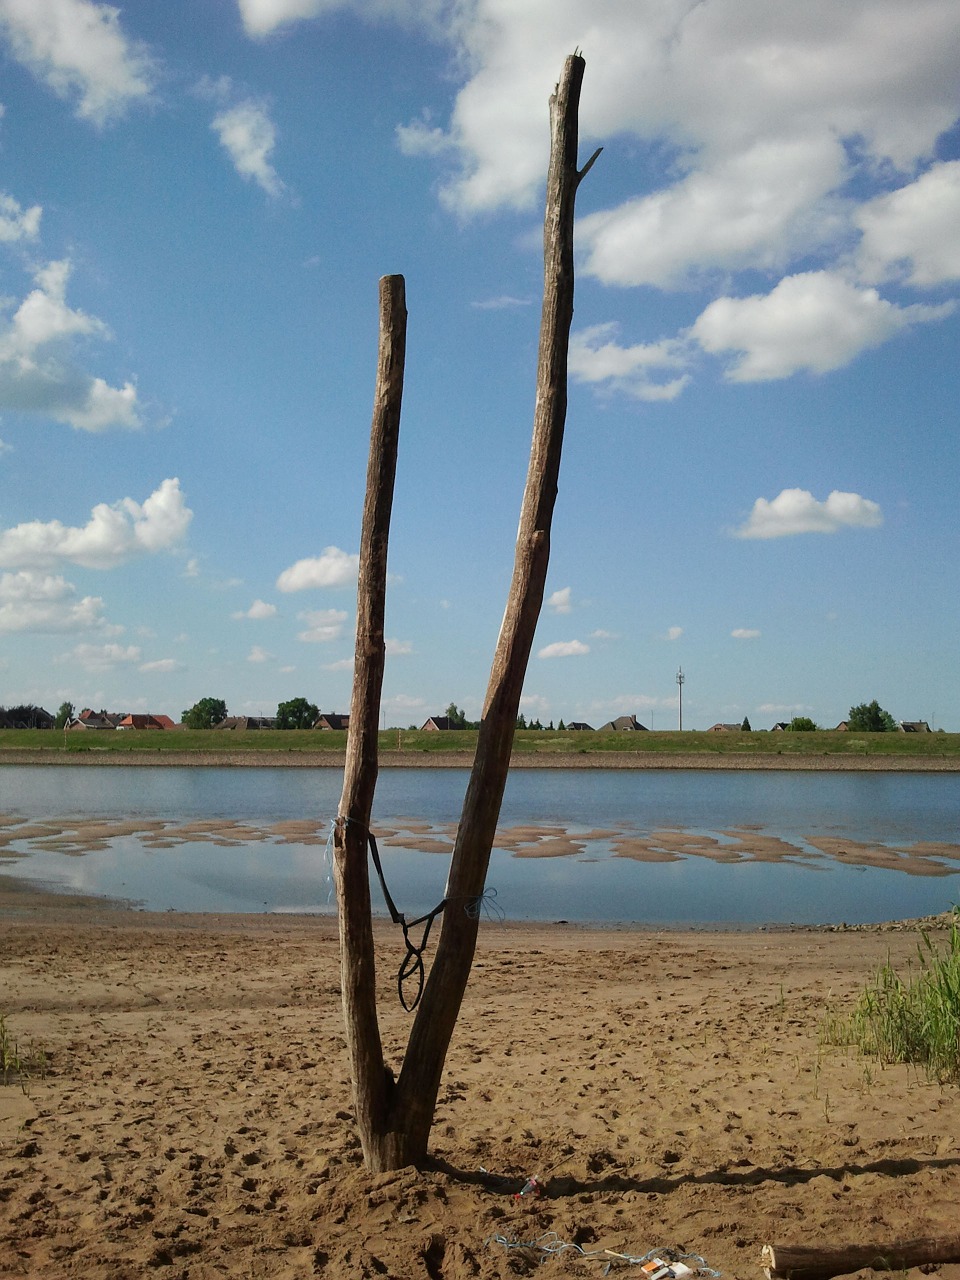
<point>395,1118</point>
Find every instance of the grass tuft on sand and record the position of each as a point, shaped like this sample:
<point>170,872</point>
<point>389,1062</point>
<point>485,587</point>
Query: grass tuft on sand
<point>912,1019</point>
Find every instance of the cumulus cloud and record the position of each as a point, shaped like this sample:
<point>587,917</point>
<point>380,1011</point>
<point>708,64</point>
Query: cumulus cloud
<point>257,654</point>
<point>322,625</point>
<point>112,535</point>
<point>332,568</point>
<point>914,232</point>
<point>80,50</point>
<point>559,601</point>
<point>263,17</point>
<point>398,647</point>
<point>39,372</point>
<point>797,511</point>
<point>674,633</point>
<point>103,657</point>
<point>564,649</point>
<point>161,666</point>
<point>248,135</point>
<point>816,321</point>
<point>737,90</point>
<point>45,603</point>
<point>761,135</point>
<point>17,223</point>
<point>258,610</point>
<point>503,302</point>
<point>596,358</point>
<point>745,633</point>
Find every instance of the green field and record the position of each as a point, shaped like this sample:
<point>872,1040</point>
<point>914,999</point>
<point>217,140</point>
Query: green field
<point>528,742</point>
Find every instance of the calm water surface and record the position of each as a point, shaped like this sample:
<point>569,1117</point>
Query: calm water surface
<point>886,808</point>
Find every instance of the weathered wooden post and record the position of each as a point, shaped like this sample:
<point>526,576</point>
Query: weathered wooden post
<point>395,1118</point>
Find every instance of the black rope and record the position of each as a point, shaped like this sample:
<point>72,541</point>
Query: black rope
<point>412,964</point>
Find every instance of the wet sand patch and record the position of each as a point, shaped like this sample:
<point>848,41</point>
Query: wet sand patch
<point>861,854</point>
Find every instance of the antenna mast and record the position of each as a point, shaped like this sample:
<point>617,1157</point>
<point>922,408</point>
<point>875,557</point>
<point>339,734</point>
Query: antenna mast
<point>680,679</point>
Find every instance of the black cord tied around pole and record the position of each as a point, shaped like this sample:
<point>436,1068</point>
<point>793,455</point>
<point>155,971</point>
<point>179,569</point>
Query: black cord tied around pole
<point>412,963</point>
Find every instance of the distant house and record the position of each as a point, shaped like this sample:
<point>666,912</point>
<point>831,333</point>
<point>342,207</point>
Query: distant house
<point>26,716</point>
<point>623,724</point>
<point>242,723</point>
<point>780,727</point>
<point>843,727</point>
<point>165,722</point>
<point>913,726</point>
<point>139,722</point>
<point>88,719</point>
<point>332,721</point>
<point>580,726</point>
<point>436,724</point>
<point>726,728</point>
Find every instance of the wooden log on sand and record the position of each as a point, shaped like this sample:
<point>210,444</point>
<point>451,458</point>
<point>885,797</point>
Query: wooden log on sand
<point>813,1262</point>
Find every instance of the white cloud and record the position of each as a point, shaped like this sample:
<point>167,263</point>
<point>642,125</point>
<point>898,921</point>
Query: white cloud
<point>332,568</point>
<point>504,302</point>
<point>914,231</point>
<point>751,209</point>
<point>258,610</point>
<point>248,135</point>
<point>564,649</point>
<point>263,17</point>
<point>80,50</point>
<point>17,223</point>
<point>745,633</point>
<point>674,633</point>
<point>559,602</point>
<point>816,321</point>
<point>323,625</point>
<point>161,666</point>
<point>103,657</point>
<point>771,123</point>
<point>596,358</point>
<point>342,664</point>
<point>112,535</point>
<point>38,371</point>
<point>797,511</point>
<point>31,602</point>
<point>713,80</point>
<point>398,647</point>
<point>260,17</point>
<point>257,654</point>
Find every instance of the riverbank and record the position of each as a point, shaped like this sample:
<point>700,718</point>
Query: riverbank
<point>667,1089</point>
<point>249,758</point>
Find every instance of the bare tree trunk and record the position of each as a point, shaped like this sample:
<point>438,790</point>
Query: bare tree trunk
<point>372,1085</point>
<point>411,1105</point>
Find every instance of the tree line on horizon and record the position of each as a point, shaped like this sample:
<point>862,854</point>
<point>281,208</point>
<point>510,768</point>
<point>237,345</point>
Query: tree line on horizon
<point>300,713</point>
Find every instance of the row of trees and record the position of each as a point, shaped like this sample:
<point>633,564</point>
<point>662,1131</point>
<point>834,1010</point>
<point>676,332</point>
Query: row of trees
<point>867,717</point>
<point>297,713</point>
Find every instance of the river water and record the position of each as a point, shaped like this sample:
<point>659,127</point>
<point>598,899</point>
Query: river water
<point>221,839</point>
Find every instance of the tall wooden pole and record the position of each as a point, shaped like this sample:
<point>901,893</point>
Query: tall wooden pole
<point>358,977</point>
<point>414,1099</point>
<point>394,1119</point>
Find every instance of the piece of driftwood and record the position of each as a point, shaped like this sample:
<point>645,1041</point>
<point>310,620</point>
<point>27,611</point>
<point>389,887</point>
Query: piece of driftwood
<point>814,1262</point>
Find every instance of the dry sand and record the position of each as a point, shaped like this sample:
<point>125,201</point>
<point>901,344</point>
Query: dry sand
<point>667,1087</point>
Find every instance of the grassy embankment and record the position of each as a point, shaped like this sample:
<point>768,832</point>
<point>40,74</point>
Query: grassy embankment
<point>528,742</point>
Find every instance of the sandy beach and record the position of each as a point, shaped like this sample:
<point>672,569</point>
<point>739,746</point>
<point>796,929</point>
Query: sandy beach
<point>669,1089</point>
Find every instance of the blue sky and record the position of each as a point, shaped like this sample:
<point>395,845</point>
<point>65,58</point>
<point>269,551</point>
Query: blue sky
<point>197,200</point>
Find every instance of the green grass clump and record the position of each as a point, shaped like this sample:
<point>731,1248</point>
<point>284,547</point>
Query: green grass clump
<point>914,1020</point>
<point>20,1065</point>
